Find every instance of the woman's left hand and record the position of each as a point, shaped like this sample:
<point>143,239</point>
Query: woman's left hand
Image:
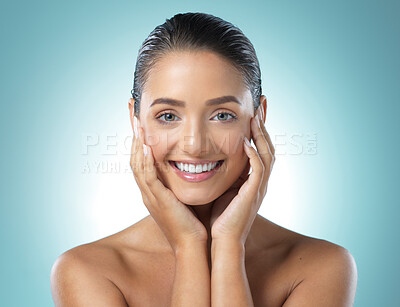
<point>234,211</point>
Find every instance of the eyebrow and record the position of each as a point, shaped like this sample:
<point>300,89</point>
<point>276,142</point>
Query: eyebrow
<point>210,102</point>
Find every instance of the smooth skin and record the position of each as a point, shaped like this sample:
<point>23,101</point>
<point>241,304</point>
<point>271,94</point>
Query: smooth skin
<point>229,231</point>
<point>217,250</point>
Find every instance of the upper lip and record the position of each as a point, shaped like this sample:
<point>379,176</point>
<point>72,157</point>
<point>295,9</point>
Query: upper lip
<point>196,162</point>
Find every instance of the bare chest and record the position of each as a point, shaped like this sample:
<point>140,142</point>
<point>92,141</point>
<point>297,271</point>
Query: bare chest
<point>149,281</point>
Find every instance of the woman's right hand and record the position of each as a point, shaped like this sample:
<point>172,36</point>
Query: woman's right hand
<point>177,220</point>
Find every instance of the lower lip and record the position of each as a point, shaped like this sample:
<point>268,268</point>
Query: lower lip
<point>195,177</point>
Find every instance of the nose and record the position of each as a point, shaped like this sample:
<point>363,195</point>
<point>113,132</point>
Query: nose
<point>194,138</point>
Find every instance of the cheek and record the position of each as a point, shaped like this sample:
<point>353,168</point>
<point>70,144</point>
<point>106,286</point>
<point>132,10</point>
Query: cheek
<point>158,142</point>
<point>230,143</point>
<point>234,151</point>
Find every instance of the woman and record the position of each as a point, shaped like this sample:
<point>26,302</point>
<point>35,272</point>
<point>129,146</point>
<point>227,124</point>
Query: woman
<point>196,103</point>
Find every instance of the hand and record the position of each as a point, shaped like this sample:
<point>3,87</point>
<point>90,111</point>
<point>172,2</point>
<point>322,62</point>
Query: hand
<point>234,211</point>
<point>177,220</point>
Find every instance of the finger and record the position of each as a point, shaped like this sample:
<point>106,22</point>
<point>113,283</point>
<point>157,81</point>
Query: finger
<point>135,174</point>
<point>134,152</point>
<point>265,152</point>
<point>242,178</point>
<point>245,172</point>
<point>138,155</point>
<point>138,169</point>
<point>140,151</point>
<point>134,142</point>
<point>135,124</point>
<point>155,190</point>
<point>165,208</point>
<point>261,142</point>
<point>268,138</point>
<point>156,187</point>
<point>271,146</point>
<point>258,169</point>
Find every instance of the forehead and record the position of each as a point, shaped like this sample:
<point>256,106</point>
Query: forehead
<point>194,77</point>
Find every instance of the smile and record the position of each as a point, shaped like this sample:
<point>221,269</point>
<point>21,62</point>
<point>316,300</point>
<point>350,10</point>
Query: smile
<point>195,172</point>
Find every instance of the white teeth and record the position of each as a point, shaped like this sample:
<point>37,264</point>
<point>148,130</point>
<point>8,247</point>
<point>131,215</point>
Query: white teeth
<point>195,169</point>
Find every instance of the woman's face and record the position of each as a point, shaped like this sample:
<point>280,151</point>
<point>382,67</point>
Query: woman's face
<point>193,126</point>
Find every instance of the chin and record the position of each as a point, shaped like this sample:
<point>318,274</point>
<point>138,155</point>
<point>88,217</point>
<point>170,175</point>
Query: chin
<point>193,200</point>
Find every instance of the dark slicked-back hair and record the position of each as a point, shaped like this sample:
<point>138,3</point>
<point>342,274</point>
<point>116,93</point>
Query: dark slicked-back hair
<point>198,31</point>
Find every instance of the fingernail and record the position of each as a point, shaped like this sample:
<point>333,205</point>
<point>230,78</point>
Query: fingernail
<point>145,149</point>
<point>135,126</point>
<point>246,140</point>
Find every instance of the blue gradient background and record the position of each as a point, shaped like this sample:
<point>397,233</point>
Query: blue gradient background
<point>330,69</point>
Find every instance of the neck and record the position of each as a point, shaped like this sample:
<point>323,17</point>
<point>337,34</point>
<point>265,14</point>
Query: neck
<point>203,213</point>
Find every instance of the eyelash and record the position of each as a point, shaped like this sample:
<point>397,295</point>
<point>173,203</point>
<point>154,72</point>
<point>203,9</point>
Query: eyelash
<point>162,122</point>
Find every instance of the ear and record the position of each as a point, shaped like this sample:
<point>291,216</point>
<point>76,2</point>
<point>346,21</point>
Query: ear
<point>263,105</point>
<point>131,104</point>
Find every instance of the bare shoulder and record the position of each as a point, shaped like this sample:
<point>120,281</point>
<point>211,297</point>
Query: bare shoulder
<point>79,277</point>
<point>325,273</point>
<point>305,252</point>
<point>108,272</point>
